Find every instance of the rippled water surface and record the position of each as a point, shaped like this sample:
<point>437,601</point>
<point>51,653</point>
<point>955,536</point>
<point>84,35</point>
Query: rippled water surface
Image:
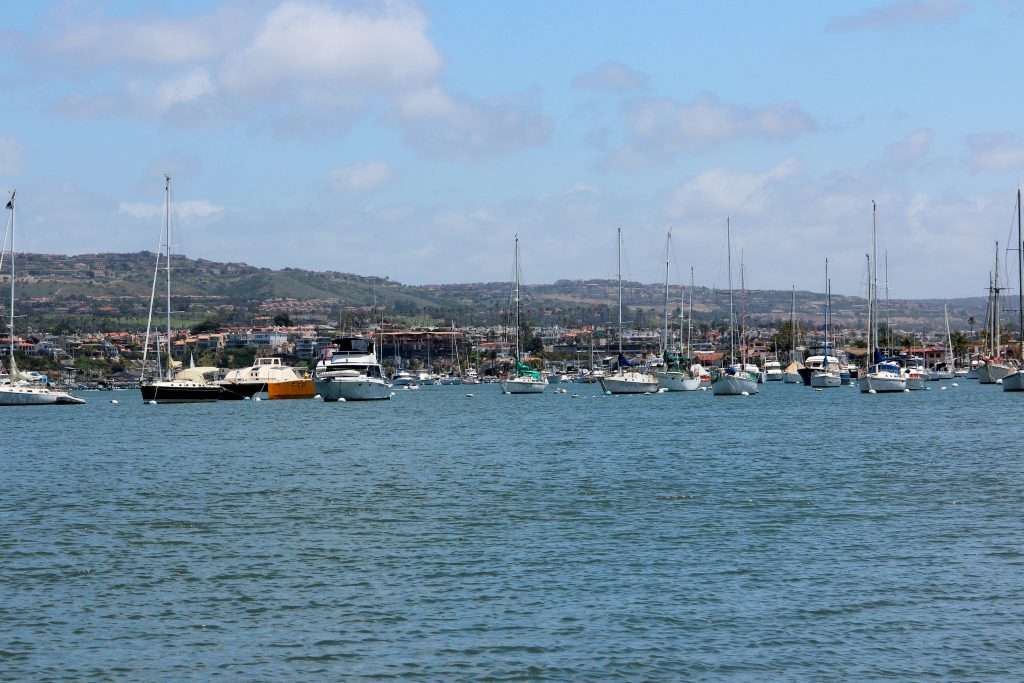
<point>793,535</point>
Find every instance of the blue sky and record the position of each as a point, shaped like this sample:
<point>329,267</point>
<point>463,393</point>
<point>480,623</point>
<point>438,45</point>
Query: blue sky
<point>413,140</point>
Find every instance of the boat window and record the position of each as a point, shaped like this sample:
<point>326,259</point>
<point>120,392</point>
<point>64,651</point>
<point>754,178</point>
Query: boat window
<point>354,345</point>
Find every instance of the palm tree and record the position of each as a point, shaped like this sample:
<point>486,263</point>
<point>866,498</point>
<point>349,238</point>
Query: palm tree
<point>972,322</point>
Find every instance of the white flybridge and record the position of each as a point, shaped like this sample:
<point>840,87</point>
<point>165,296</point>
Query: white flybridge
<point>19,388</point>
<point>626,380</point>
<point>675,377</point>
<point>880,375</point>
<point>523,379</point>
<point>1014,381</point>
<point>736,379</point>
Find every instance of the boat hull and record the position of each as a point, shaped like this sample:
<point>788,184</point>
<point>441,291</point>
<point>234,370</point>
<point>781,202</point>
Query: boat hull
<point>630,383</point>
<point>352,389</point>
<point>881,385</point>
<point>523,385</point>
<point>16,395</point>
<point>990,373</point>
<point>771,376</point>
<point>239,391</point>
<point>291,389</point>
<point>179,392</point>
<point>733,385</point>
<point>793,378</point>
<point>1014,381</point>
<point>826,381</point>
<point>677,381</point>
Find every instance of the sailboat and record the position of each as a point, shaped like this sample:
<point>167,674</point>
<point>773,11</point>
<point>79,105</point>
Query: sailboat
<point>19,388</point>
<point>881,374</point>
<point>674,377</point>
<point>523,379</point>
<point>946,370</point>
<point>792,375</point>
<point>993,367</point>
<point>827,376</point>
<point>734,380</point>
<point>625,380</point>
<point>187,386</point>
<point>454,376</point>
<point>1014,381</point>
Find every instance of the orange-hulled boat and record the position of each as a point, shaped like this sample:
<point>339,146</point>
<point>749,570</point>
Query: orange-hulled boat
<point>291,388</point>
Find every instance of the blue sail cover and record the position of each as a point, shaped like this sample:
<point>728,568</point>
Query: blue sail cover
<point>625,362</point>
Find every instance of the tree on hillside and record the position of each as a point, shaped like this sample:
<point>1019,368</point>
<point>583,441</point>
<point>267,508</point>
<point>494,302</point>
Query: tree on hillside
<point>208,325</point>
<point>282,319</point>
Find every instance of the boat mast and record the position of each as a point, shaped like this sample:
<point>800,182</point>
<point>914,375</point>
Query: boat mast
<point>1020,283</point>
<point>732,316</point>
<point>620,293</point>
<point>10,334</point>
<point>743,311</point>
<point>665,331</point>
<point>516,369</point>
<point>873,285</point>
<point>828,300</point>
<point>792,327</point>
<point>995,307</point>
<point>689,320</point>
<point>167,209</point>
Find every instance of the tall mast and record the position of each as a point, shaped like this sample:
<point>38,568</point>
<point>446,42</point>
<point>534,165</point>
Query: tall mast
<point>732,317</point>
<point>10,333</point>
<point>873,284</point>
<point>689,319</point>
<point>620,292</point>
<point>516,369</point>
<point>792,327</point>
<point>1020,283</point>
<point>743,311</point>
<point>828,300</point>
<point>995,308</point>
<point>167,217</point>
<point>664,331</point>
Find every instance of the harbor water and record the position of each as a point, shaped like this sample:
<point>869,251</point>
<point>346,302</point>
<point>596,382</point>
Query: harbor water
<point>791,535</point>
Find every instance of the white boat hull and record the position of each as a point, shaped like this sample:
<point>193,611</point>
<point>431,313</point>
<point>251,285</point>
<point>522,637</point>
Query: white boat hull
<point>28,395</point>
<point>826,381</point>
<point>733,385</point>
<point>990,373</point>
<point>677,381</point>
<point>793,378</point>
<point>881,384</point>
<point>523,385</point>
<point>1014,381</point>
<point>352,389</point>
<point>630,383</point>
<point>774,376</point>
<point>939,375</point>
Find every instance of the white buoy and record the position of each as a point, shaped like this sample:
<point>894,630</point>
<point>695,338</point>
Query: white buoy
<point>817,388</point>
<point>469,395</point>
<point>942,388</point>
<point>246,398</point>
<point>257,399</point>
<point>507,393</point>
<point>999,381</point>
<point>608,393</point>
<point>955,384</point>
<point>872,391</point>
<point>152,403</point>
<point>575,395</point>
<point>662,390</point>
<point>342,400</point>
<point>114,401</point>
<point>744,393</point>
<point>906,391</point>
<point>318,396</point>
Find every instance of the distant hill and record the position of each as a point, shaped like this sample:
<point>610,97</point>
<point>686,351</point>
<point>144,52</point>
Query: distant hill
<point>119,285</point>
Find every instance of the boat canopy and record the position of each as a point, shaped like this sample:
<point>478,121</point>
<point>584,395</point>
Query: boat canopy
<point>353,345</point>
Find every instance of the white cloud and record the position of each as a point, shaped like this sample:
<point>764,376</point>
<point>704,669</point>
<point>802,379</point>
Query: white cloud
<point>11,156</point>
<point>897,15</point>
<point>140,210</point>
<point>305,45</point>
<point>911,148</point>
<point>995,153</point>
<point>184,90</point>
<point>660,129</point>
<point>611,76</point>
<point>362,177</point>
<point>722,191</point>
<point>190,209</point>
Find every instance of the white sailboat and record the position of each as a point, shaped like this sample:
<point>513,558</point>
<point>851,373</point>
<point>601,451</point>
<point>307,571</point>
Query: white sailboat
<point>184,387</point>
<point>792,372</point>
<point>946,370</point>
<point>522,379</point>
<point>827,376</point>
<point>734,380</point>
<point>21,388</point>
<point>881,375</point>
<point>625,379</point>
<point>1014,381</point>
<point>674,377</point>
<point>994,367</point>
